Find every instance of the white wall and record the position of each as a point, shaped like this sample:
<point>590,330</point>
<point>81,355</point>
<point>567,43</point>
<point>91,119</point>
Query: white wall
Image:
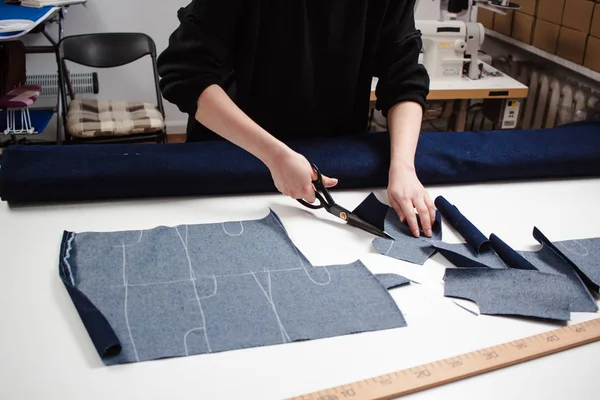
<point>134,82</point>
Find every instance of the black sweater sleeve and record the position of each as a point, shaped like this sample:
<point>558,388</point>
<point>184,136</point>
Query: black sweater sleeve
<point>199,53</point>
<point>401,76</point>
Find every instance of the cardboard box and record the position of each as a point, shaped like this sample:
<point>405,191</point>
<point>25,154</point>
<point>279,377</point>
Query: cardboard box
<point>545,36</point>
<point>571,44</point>
<point>523,27</point>
<point>592,54</point>
<point>503,23</point>
<point>551,10</point>
<point>486,18</point>
<point>578,15</point>
<point>595,25</point>
<point>528,7</point>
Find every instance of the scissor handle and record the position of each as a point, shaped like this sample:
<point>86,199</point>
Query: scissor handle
<point>321,204</point>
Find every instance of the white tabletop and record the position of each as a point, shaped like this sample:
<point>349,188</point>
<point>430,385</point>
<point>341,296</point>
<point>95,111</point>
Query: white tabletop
<point>47,354</point>
<point>485,83</point>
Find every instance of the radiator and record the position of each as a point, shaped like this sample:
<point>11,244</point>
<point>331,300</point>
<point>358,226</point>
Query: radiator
<point>553,99</point>
<point>80,82</point>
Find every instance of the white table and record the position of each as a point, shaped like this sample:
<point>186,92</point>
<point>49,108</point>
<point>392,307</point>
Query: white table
<point>46,352</point>
<point>464,89</point>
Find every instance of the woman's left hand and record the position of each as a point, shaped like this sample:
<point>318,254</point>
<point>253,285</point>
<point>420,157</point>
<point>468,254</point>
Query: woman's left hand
<point>405,194</point>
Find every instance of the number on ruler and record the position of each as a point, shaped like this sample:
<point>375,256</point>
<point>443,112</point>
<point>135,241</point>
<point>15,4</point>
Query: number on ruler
<point>490,355</point>
<point>456,363</point>
<point>348,393</point>
<point>521,345</point>
<point>385,381</point>
<point>580,329</point>
<point>422,374</point>
<point>552,338</point>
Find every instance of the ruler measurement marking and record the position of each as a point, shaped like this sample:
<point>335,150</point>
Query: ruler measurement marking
<point>463,366</point>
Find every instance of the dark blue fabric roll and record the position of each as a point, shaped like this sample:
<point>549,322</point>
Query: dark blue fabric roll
<point>91,172</point>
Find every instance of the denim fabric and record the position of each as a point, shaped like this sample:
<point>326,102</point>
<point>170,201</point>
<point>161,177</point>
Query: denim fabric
<point>194,289</point>
<point>30,174</point>
<point>545,260</point>
<point>463,226</point>
<point>404,246</point>
<point>510,257</point>
<point>527,293</point>
<point>392,281</point>
<point>582,254</point>
<point>462,255</point>
<point>548,261</point>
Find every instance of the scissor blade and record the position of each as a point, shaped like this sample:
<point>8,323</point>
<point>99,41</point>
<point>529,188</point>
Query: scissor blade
<point>362,224</point>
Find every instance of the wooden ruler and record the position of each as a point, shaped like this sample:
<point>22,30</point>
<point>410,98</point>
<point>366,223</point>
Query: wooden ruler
<point>426,376</point>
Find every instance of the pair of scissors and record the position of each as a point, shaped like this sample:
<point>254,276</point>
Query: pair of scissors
<point>327,202</point>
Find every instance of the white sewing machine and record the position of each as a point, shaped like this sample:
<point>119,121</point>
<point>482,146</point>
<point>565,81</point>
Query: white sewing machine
<point>451,42</point>
<point>450,47</point>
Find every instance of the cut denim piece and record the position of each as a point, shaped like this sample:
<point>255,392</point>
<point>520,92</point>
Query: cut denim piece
<point>31,174</point>
<point>392,281</point>
<point>547,260</point>
<point>463,256</point>
<point>526,293</point>
<point>508,255</point>
<point>582,254</point>
<point>195,289</point>
<point>405,246</point>
<point>463,226</point>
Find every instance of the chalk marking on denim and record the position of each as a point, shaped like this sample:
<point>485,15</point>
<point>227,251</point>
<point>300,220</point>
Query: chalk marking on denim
<point>390,248</point>
<point>187,353</point>
<point>125,306</point>
<point>195,289</point>
<point>585,250</point>
<point>214,292</point>
<point>300,259</point>
<point>284,334</point>
<point>203,277</point>
<point>66,258</point>
<point>233,234</point>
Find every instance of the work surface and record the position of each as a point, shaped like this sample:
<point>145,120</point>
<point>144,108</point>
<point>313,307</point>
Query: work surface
<point>46,352</point>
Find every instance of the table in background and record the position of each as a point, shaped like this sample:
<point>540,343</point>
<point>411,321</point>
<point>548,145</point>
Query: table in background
<point>41,17</point>
<point>465,89</point>
<point>46,351</point>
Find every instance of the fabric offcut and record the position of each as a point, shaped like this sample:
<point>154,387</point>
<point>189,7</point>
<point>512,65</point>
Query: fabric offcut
<point>31,174</point>
<point>507,292</point>
<point>196,289</point>
<point>392,281</point>
<point>463,256</point>
<point>405,246</point>
<point>582,254</point>
<point>463,226</point>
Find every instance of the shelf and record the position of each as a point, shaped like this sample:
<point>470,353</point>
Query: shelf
<point>580,69</point>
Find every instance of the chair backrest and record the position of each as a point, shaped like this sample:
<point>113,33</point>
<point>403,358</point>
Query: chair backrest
<point>13,71</point>
<point>106,50</point>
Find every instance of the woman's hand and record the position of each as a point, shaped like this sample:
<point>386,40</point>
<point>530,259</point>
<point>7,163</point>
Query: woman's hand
<point>405,194</point>
<point>293,175</point>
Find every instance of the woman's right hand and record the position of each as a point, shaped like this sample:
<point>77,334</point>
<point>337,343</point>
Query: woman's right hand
<point>293,176</point>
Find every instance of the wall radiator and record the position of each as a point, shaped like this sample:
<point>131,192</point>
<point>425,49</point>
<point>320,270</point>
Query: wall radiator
<point>81,83</point>
<point>553,99</point>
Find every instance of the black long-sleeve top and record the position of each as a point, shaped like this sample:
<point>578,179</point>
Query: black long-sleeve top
<point>300,68</point>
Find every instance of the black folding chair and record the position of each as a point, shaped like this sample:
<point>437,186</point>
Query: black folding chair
<point>109,121</point>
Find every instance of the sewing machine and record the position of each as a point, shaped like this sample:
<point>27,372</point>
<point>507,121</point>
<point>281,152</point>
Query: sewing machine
<point>451,48</point>
<point>451,43</point>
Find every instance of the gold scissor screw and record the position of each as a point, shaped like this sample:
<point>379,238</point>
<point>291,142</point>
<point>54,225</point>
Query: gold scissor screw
<point>343,216</point>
